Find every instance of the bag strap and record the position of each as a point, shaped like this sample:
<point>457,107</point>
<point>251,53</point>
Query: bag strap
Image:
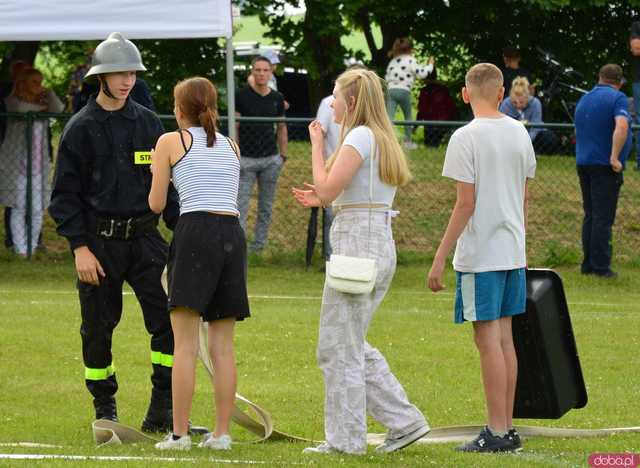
<point>233,147</point>
<point>371,162</point>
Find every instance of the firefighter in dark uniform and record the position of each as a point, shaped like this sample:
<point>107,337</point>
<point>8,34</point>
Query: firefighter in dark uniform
<point>99,203</point>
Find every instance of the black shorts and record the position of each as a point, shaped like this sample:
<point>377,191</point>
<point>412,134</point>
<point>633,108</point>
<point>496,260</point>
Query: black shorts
<point>207,266</point>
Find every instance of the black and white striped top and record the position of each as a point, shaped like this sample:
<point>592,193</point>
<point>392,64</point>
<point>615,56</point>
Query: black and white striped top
<point>207,178</point>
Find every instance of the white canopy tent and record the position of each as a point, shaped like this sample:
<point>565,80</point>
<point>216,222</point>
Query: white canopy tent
<point>46,20</point>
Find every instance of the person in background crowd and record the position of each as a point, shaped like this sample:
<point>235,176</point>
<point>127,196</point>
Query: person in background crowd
<point>357,377</point>
<point>6,88</point>
<point>100,205</point>
<point>435,103</point>
<point>76,82</point>
<point>402,71</point>
<point>205,168</point>
<point>16,170</point>
<point>512,68</point>
<point>603,143</point>
<point>274,60</point>
<point>521,106</point>
<point>331,131</point>
<point>634,46</point>
<point>264,151</point>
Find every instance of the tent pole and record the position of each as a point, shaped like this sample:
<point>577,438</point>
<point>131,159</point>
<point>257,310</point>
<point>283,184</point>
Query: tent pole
<point>231,97</point>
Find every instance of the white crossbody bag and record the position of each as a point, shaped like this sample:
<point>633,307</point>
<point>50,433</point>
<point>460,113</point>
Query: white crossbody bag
<point>354,275</point>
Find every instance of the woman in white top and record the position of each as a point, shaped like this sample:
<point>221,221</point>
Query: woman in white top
<point>357,377</point>
<point>402,70</point>
<point>28,96</point>
<point>207,257</point>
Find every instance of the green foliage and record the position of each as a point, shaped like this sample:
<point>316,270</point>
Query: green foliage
<point>168,61</point>
<point>314,42</point>
<point>583,34</point>
<point>5,51</point>
<point>171,60</point>
<point>57,61</point>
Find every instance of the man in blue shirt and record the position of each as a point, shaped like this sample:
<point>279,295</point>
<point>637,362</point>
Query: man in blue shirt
<point>603,143</point>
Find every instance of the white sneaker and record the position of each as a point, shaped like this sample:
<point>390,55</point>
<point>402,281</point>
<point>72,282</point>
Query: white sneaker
<point>322,448</point>
<point>391,445</point>
<point>216,443</point>
<point>183,443</point>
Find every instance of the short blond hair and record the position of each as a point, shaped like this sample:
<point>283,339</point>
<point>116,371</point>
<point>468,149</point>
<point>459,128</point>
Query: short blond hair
<point>484,80</point>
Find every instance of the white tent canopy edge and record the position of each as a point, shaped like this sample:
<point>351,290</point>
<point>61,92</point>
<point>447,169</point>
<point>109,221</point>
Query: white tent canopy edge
<point>44,20</point>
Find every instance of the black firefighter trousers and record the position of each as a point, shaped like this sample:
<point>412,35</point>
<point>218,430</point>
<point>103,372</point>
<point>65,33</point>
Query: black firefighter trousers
<point>140,262</point>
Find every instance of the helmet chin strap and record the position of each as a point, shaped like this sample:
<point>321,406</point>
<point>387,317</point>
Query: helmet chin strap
<point>105,87</point>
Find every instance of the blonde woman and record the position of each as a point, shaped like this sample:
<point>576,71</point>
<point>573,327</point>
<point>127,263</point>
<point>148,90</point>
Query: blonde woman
<point>521,106</point>
<point>356,375</point>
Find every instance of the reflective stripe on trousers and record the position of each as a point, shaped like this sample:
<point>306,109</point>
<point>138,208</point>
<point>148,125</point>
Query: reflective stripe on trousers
<point>99,374</point>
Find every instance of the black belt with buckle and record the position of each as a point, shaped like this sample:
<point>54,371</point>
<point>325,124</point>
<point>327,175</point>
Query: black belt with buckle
<point>125,229</point>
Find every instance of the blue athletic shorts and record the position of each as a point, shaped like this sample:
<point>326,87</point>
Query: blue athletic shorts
<point>490,295</point>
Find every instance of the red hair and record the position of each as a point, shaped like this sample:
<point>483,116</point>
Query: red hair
<point>197,99</point>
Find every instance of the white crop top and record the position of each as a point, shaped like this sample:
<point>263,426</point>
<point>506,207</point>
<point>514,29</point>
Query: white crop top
<point>361,139</point>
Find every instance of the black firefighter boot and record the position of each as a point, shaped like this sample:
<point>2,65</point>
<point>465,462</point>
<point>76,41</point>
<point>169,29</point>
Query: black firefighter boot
<point>106,408</point>
<point>159,416</point>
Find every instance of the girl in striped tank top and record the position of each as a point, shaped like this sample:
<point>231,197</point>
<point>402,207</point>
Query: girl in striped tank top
<point>207,257</point>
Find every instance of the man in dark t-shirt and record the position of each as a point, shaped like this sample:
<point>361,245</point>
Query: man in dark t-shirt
<point>634,46</point>
<point>512,69</point>
<point>263,147</point>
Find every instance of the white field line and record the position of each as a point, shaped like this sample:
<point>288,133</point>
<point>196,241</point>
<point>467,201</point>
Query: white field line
<point>442,297</point>
<point>28,444</point>
<point>46,456</point>
<point>555,460</point>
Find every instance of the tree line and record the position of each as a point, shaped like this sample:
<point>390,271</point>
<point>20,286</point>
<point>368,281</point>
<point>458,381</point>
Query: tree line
<point>583,34</point>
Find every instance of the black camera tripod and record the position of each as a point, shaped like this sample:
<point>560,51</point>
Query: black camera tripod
<point>552,92</point>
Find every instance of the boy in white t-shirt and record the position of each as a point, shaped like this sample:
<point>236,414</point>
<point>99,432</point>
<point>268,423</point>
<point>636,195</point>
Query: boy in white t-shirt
<point>491,160</point>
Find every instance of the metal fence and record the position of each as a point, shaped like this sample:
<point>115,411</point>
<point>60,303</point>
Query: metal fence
<point>555,213</point>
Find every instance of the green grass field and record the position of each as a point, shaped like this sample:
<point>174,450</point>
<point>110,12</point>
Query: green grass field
<point>43,398</point>
<point>249,29</point>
